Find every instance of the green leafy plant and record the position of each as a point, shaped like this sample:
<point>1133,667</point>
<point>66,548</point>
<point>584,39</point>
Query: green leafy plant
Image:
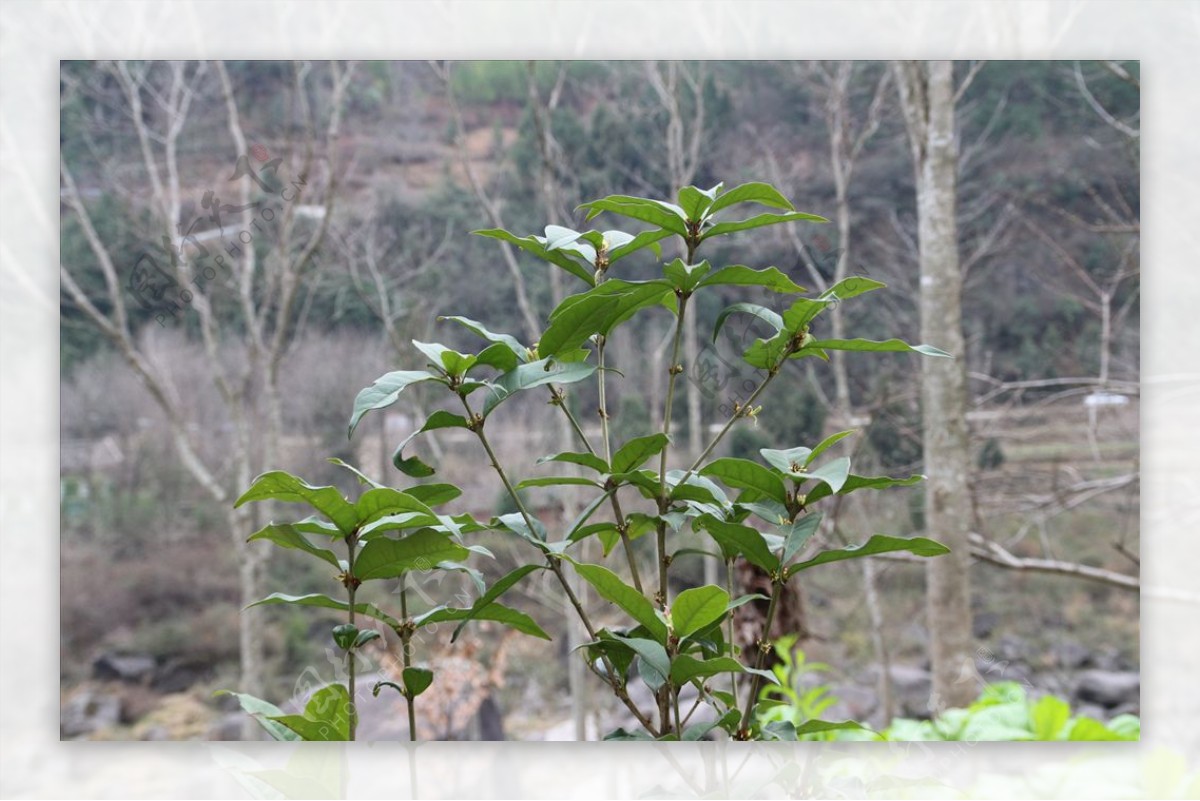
<point>789,705</point>
<point>760,510</point>
<point>1003,712</point>
<point>387,535</point>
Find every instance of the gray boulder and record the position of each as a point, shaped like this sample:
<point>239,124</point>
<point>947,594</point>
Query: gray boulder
<point>1108,688</point>
<point>87,711</point>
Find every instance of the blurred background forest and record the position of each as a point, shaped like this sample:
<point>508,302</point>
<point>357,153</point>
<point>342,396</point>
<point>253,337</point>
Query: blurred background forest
<point>173,396</point>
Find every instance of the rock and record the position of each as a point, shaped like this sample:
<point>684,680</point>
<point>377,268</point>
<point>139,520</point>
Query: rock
<point>228,727</point>
<point>123,667</point>
<point>984,623</point>
<point>178,675</point>
<point>1071,655</point>
<point>177,717</point>
<point>1108,688</point>
<point>854,703</point>
<point>911,687</point>
<point>87,711</point>
<point>1011,648</point>
<point>156,733</point>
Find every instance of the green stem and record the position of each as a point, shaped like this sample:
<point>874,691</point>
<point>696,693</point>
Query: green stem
<point>673,372</point>
<point>556,569</point>
<point>557,397</point>
<point>406,641</point>
<point>764,645</point>
<point>737,414</point>
<point>732,630</point>
<point>616,504</point>
<point>351,668</point>
<point>678,721</point>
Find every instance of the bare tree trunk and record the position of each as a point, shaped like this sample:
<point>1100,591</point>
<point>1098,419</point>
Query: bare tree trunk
<point>927,97</point>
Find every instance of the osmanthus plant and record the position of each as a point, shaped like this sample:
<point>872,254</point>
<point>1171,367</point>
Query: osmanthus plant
<point>760,511</point>
<point>387,535</point>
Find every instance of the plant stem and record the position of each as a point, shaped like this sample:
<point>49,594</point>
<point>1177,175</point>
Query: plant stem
<point>764,645</point>
<point>406,643</point>
<point>616,504</point>
<point>673,372</point>
<point>665,692</point>
<point>557,398</point>
<point>733,418</point>
<point>351,668</point>
<point>732,631</point>
<point>556,569</point>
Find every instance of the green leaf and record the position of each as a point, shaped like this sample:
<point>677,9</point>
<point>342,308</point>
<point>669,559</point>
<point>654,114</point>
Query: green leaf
<point>695,202</point>
<point>698,731</point>
<point>802,312</point>
<point>738,275</point>
<point>697,488</point>
<point>851,287</point>
<point>834,473</point>
<point>433,494</point>
<point>515,522</point>
<point>598,311</point>
<point>684,668</point>
<point>611,588</point>
<point>818,726</point>
<point>280,486</point>
<point>791,460</point>
<point>765,354</point>
<point>422,550</point>
<point>634,453</point>
<point>558,481</point>
<point>696,608</point>
<point>621,244</point>
<point>501,586</point>
<point>1090,729</point>
<point>362,477</point>
<point>454,363</point>
<point>654,665</point>
<point>880,543</point>
<point>376,504</point>
<point>589,460</point>
<point>745,474</point>
<point>1048,717</point>
<point>263,712</point>
<point>534,374</point>
<point>384,392</point>
<point>685,277</point>
<point>753,192</point>
<point>761,312</point>
<point>324,601</point>
<point>416,680</point>
<point>496,612</point>
<point>720,229</point>
<point>326,716</point>
<point>737,539</point>
<point>557,236</point>
<point>618,735</point>
<point>797,533</point>
<point>287,536</point>
<point>499,357</point>
<point>655,212</point>
<point>854,482</point>
<point>343,636</point>
<point>537,246</point>
<point>507,340</point>
<point>364,636</point>
<point>873,346</point>
<point>825,445</point>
